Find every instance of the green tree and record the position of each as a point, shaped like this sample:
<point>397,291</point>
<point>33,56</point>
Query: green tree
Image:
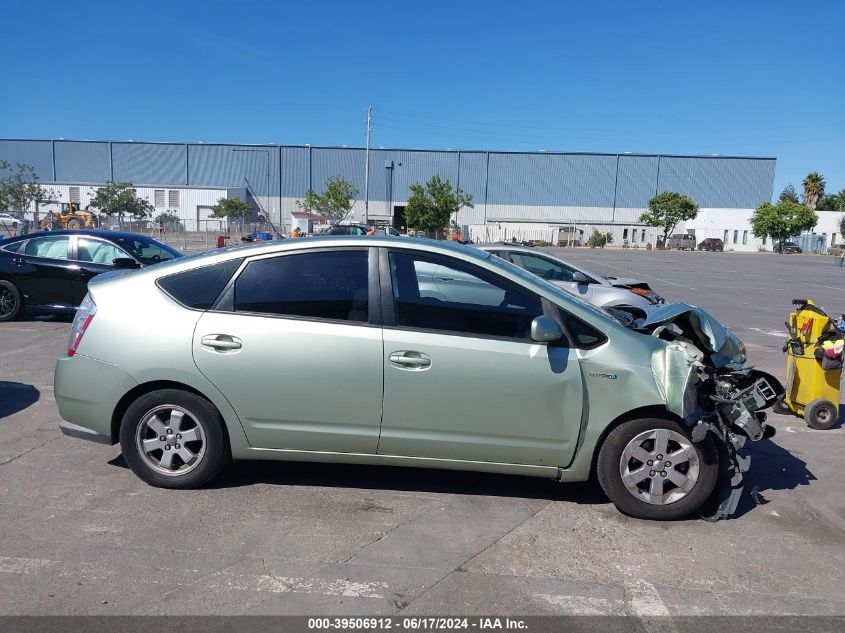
<point>599,239</point>
<point>19,189</point>
<point>667,210</point>
<point>813,189</point>
<point>430,207</point>
<point>121,198</point>
<point>782,220</point>
<point>166,217</point>
<point>334,203</point>
<point>231,209</point>
<point>832,202</point>
<point>788,195</point>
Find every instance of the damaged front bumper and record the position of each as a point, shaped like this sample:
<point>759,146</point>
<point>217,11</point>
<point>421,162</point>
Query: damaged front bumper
<point>700,371</point>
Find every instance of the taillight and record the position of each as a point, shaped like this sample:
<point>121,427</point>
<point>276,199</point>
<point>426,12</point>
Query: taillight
<point>84,316</point>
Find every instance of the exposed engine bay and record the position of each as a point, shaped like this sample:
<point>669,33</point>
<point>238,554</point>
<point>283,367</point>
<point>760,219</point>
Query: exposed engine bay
<point>709,386</point>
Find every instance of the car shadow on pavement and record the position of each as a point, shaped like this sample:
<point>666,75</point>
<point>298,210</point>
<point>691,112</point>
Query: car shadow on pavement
<point>772,468</point>
<point>16,396</point>
<point>405,479</point>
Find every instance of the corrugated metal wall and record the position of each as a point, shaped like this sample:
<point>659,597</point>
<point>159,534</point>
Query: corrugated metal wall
<point>504,185</point>
<point>229,165</point>
<point>150,164</point>
<point>82,161</point>
<point>38,154</point>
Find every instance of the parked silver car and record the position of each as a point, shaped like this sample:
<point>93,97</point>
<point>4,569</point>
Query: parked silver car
<point>340,349</point>
<point>597,289</point>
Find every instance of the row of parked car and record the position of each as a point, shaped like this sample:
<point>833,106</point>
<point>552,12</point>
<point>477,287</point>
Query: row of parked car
<point>686,242</point>
<point>571,373</point>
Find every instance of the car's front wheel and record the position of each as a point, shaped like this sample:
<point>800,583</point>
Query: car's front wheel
<point>651,469</point>
<point>173,439</point>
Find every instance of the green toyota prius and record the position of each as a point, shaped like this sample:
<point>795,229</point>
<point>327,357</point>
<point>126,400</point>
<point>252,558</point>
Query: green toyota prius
<point>406,352</point>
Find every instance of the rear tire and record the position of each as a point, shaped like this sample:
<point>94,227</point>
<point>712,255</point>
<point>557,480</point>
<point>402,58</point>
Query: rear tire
<point>661,490</point>
<point>75,224</point>
<point>821,414</point>
<point>174,439</point>
<point>11,302</point>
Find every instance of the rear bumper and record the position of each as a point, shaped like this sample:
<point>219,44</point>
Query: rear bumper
<point>87,392</point>
<point>81,433</point>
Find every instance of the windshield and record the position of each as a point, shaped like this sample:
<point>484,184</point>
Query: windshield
<point>147,250</point>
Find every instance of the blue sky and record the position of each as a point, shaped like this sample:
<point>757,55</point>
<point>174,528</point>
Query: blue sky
<point>739,78</point>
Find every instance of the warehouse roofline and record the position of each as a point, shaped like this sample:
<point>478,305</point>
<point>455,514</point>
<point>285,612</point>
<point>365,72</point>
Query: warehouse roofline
<point>395,149</point>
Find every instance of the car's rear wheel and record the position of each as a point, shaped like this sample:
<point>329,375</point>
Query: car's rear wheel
<point>173,439</point>
<point>651,469</point>
<point>10,301</point>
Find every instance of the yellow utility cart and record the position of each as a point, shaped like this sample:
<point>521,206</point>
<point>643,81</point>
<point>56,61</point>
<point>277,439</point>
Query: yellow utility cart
<point>813,365</point>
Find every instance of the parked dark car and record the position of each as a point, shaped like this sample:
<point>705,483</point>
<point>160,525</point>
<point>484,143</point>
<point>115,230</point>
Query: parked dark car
<point>711,244</point>
<point>48,272</point>
<point>787,247</point>
<point>347,229</point>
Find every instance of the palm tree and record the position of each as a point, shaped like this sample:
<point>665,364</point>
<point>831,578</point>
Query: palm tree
<point>813,189</point>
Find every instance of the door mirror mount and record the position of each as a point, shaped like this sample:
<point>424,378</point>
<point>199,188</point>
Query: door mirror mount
<point>125,263</point>
<point>545,330</point>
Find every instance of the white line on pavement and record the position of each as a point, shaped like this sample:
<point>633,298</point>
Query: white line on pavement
<point>584,605</point>
<point>644,602</point>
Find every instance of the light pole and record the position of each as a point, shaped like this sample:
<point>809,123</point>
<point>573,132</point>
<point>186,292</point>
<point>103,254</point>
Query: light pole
<point>367,167</point>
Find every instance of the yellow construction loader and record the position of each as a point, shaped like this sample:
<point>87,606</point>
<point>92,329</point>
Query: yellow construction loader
<point>70,217</point>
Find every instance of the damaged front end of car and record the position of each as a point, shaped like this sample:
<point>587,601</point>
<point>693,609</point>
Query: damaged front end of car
<point>702,373</point>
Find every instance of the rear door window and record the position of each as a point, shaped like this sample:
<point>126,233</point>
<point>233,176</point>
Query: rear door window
<point>53,247</point>
<point>326,285</point>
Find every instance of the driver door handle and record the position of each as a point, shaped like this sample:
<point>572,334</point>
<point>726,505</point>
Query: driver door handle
<point>221,342</point>
<point>413,360</point>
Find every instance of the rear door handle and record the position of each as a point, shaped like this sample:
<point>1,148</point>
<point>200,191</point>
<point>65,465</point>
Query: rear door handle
<point>410,359</point>
<point>220,342</point>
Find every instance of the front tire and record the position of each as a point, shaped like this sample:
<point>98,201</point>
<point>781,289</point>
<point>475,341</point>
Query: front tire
<point>173,439</point>
<point>651,469</point>
<point>11,302</point>
<point>75,224</point>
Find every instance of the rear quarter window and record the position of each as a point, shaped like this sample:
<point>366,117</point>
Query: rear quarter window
<point>13,247</point>
<point>198,288</point>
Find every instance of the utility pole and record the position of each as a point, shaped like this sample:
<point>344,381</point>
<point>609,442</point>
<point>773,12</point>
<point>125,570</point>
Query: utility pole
<point>367,167</point>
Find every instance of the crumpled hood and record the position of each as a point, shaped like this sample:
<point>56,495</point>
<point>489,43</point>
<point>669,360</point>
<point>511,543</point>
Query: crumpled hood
<point>714,339</point>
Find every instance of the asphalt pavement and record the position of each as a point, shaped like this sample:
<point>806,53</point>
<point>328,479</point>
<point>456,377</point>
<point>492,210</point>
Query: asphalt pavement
<point>82,535</point>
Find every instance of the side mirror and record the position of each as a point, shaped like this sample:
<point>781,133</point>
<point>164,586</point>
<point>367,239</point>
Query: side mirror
<point>125,263</point>
<point>579,277</point>
<point>545,330</point>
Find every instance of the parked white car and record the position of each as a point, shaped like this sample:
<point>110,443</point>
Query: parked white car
<point>598,289</point>
<point>8,220</point>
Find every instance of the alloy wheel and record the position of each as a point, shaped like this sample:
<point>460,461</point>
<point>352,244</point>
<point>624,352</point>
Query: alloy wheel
<point>8,302</point>
<point>659,466</point>
<point>170,440</point>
